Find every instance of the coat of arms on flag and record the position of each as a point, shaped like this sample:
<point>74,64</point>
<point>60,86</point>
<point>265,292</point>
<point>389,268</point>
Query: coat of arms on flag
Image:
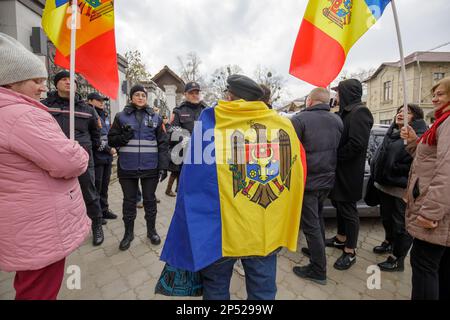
<point>261,168</point>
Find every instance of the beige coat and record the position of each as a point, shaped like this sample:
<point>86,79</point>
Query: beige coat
<point>429,182</point>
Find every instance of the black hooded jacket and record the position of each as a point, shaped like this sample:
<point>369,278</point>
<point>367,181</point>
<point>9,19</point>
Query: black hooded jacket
<point>358,122</point>
<point>391,162</point>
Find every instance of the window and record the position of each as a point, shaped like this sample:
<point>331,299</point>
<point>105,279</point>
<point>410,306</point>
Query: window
<point>386,121</point>
<point>438,76</point>
<point>387,91</point>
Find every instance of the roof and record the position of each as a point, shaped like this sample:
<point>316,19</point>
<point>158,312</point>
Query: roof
<point>165,70</point>
<point>421,56</point>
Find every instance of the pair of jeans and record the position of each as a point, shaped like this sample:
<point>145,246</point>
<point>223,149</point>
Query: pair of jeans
<point>130,190</point>
<point>102,178</point>
<point>430,271</point>
<point>260,278</point>
<point>347,222</point>
<point>392,210</point>
<point>313,227</point>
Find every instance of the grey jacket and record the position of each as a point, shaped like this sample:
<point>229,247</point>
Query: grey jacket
<point>319,131</point>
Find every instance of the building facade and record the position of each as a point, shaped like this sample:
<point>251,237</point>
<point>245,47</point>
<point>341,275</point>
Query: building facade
<point>385,86</point>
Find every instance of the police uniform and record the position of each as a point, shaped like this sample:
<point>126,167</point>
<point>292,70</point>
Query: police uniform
<point>142,146</point>
<point>182,123</point>
<point>103,159</point>
<point>87,133</point>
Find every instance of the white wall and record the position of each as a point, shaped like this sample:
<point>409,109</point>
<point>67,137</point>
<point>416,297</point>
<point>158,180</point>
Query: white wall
<point>121,102</point>
<point>8,18</point>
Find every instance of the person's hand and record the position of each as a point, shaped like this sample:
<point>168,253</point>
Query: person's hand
<point>162,175</point>
<point>127,133</point>
<point>425,223</point>
<point>407,133</point>
<point>113,151</point>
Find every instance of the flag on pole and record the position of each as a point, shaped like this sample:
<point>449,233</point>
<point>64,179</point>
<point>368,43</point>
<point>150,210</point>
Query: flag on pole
<point>328,31</point>
<point>244,200</point>
<point>96,55</point>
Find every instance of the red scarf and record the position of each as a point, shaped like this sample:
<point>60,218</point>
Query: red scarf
<point>430,136</point>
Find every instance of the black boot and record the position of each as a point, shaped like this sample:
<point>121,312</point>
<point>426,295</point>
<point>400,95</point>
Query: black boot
<point>97,232</point>
<point>151,232</point>
<point>128,236</point>
<point>392,264</point>
<point>169,186</point>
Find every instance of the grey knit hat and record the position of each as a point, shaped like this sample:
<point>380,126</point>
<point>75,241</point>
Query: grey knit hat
<point>17,63</point>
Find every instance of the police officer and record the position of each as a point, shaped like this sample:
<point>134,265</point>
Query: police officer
<point>103,155</point>
<point>183,119</point>
<point>87,133</point>
<point>141,141</point>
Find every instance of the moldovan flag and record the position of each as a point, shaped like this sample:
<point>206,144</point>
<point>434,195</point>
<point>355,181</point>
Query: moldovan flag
<point>241,187</point>
<point>96,56</point>
<point>328,31</point>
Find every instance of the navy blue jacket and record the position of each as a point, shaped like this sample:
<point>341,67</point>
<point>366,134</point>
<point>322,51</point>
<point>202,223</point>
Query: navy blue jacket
<point>146,152</point>
<point>102,155</point>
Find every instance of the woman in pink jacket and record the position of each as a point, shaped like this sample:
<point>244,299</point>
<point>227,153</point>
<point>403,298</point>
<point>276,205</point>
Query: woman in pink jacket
<point>42,213</point>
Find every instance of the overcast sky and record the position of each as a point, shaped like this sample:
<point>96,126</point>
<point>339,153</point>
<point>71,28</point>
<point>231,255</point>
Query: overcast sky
<point>252,32</point>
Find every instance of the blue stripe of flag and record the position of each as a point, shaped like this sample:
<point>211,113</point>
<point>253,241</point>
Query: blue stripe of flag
<point>194,240</point>
<point>377,7</point>
<point>60,3</point>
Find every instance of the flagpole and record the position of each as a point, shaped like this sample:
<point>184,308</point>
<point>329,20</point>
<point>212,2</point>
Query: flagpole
<point>73,38</point>
<point>402,61</point>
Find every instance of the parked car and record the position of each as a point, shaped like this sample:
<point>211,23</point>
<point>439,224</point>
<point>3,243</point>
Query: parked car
<point>376,138</point>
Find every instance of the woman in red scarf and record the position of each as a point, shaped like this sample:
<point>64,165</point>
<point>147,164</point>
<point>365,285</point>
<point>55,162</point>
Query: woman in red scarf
<point>428,201</point>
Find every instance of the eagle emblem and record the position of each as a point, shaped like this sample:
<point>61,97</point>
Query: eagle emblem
<point>339,12</point>
<point>261,169</point>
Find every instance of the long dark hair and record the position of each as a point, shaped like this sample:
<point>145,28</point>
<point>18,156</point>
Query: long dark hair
<point>416,111</point>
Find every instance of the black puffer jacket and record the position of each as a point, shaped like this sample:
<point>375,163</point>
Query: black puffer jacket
<point>391,162</point>
<point>87,124</point>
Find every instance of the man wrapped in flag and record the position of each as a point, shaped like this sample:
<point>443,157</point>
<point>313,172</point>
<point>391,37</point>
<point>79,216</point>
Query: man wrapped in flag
<point>240,194</point>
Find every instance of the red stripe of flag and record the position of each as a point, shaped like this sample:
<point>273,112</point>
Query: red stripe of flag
<point>97,62</point>
<point>317,58</point>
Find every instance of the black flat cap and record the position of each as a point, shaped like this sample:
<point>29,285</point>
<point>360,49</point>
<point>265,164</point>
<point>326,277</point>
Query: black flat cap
<point>96,96</point>
<point>244,87</point>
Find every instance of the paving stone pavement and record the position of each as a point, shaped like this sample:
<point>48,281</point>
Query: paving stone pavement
<point>108,273</point>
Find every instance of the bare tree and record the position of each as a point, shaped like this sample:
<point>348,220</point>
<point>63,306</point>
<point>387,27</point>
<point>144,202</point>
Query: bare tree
<point>190,67</point>
<point>137,70</point>
<point>274,82</point>
<point>361,74</point>
<point>218,82</point>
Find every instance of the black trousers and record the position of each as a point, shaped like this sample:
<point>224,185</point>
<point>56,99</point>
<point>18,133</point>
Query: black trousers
<point>347,222</point>
<point>90,194</point>
<point>313,227</point>
<point>102,178</point>
<point>430,271</point>
<point>130,189</point>
<point>392,210</point>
